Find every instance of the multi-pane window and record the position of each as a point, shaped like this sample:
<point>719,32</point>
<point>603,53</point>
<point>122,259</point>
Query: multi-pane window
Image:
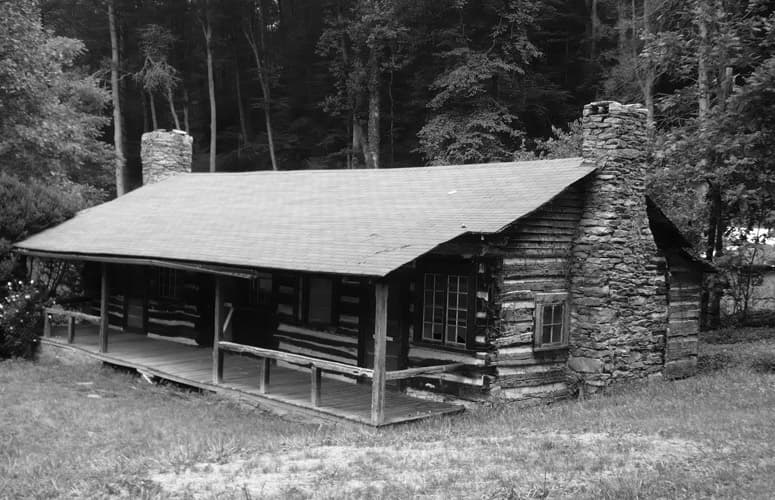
<point>445,308</point>
<point>260,290</point>
<point>167,283</point>
<point>551,321</point>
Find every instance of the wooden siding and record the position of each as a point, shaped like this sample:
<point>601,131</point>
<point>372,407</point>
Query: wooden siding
<point>535,255</point>
<point>685,288</point>
<point>337,342</point>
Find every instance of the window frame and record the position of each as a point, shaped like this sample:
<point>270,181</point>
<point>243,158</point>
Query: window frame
<point>167,279</point>
<point>460,270</point>
<point>551,299</point>
<point>304,296</point>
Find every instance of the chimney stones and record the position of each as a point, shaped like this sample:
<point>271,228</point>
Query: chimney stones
<point>619,314</point>
<point>165,153</point>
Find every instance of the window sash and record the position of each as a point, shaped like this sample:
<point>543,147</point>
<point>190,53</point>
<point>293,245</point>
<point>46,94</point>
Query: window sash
<point>446,308</point>
<point>167,286</point>
<point>551,321</point>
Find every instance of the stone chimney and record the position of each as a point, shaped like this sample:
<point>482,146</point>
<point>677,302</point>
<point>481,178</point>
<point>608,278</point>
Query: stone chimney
<point>165,153</point>
<point>619,313</point>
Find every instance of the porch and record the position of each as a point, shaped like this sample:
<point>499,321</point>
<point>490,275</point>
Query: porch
<point>273,378</point>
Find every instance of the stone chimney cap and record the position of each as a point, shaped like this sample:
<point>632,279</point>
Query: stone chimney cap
<point>612,107</point>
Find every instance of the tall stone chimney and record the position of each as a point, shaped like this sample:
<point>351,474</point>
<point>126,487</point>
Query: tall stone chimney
<point>619,313</point>
<point>165,153</point>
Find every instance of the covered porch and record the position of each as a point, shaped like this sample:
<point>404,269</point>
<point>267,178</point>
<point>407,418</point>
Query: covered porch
<point>272,378</point>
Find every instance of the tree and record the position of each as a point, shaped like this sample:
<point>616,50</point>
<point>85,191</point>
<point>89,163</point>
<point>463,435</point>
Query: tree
<point>471,115</point>
<point>115,92</point>
<point>206,22</point>
<point>50,112</point>
<point>156,74</point>
<point>255,34</point>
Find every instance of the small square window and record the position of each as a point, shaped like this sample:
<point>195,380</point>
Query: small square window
<point>551,321</point>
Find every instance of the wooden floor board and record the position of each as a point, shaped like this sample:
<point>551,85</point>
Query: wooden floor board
<point>290,388</point>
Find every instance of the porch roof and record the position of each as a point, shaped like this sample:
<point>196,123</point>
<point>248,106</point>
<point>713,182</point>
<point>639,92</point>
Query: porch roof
<point>355,222</point>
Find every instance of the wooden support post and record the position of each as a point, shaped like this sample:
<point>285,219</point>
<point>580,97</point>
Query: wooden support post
<point>70,329</point>
<point>46,324</point>
<point>380,350</point>
<point>104,313</point>
<point>263,375</point>
<point>217,332</point>
<point>315,379</point>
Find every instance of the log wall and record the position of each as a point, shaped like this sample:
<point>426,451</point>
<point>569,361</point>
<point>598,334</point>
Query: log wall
<point>685,289</point>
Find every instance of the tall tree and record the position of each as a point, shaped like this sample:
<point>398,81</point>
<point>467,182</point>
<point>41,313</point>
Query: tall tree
<point>115,91</point>
<point>255,34</point>
<point>206,23</point>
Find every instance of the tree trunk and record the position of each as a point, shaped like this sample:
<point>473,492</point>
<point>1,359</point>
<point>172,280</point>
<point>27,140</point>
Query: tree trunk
<point>374,137</point>
<point>207,28</point>
<point>240,105</point>
<point>154,120</point>
<point>263,80</point>
<point>703,91</point>
<point>172,108</point>
<point>185,111</point>
<point>118,129</point>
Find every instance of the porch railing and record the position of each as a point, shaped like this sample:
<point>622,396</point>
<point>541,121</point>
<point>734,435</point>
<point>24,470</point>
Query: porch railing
<point>71,316</point>
<point>318,366</point>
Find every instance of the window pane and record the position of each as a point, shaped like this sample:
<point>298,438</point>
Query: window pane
<point>546,334</point>
<point>320,291</point>
<point>558,312</point>
<point>463,284</point>
<point>547,315</point>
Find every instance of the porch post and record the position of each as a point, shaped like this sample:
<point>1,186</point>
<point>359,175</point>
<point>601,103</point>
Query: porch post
<point>104,313</point>
<point>217,334</point>
<point>380,349</point>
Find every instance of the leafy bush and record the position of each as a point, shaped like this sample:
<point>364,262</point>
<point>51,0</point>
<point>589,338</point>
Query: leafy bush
<point>21,320</point>
<point>764,362</point>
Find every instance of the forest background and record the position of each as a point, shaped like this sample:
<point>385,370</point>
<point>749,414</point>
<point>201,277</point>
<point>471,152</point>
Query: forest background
<point>297,84</point>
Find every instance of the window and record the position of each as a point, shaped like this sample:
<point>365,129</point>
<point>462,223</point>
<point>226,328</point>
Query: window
<point>167,283</point>
<point>551,321</point>
<point>446,308</point>
<point>320,301</point>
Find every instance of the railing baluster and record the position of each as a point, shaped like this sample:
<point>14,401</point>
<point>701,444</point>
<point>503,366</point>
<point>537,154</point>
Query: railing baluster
<point>315,383</point>
<point>263,375</point>
<point>70,329</point>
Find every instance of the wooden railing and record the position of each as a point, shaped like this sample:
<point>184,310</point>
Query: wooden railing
<point>318,366</point>
<point>71,317</point>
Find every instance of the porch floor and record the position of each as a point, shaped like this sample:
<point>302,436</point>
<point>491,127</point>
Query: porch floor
<point>288,389</point>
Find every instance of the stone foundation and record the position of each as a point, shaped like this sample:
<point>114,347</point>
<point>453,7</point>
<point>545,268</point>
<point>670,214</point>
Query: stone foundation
<point>619,313</point>
<point>165,153</point>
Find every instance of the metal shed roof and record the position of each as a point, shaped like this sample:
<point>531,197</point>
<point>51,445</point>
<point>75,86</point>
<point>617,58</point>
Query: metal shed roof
<point>363,222</point>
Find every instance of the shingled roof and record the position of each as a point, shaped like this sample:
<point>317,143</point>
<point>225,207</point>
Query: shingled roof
<point>356,222</point>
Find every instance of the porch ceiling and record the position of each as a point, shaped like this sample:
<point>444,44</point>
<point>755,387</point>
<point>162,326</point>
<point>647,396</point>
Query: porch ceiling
<point>356,222</point>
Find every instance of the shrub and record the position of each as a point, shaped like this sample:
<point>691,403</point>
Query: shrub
<point>764,362</point>
<point>21,320</point>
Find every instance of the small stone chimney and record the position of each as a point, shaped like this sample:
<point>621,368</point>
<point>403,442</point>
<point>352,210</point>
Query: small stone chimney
<point>619,313</point>
<point>165,153</point>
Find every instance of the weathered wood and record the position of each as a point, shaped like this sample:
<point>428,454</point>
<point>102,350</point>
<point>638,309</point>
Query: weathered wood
<point>681,347</point>
<point>422,353</point>
<point>315,383</point>
<point>227,323</point>
<point>263,375</point>
<point>519,356</point>
<point>46,324</point>
<point>70,330</point>
<point>422,370</point>
<point>532,379</point>
<point>297,359</point>
<point>217,332</point>
<point>72,314</point>
<point>380,350</point>
<point>680,369</point>
<point>682,328</point>
<point>104,317</point>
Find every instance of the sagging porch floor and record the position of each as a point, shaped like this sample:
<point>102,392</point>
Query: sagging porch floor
<point>289,389</point>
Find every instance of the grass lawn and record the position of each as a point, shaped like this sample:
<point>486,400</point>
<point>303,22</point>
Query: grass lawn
<point>74,429</point>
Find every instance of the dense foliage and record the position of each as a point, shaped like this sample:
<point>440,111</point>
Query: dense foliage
<point>21,320</point>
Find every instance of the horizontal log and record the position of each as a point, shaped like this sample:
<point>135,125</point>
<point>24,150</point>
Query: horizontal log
<point>422,370</point>
<point>525,355</point>
<point>419,354</point>
<point>682,328</point>
<point>680,369</point>
<point>547,391</point>
<point>681,347</point>
<point>533,379</point>
<point>297,359</point>
<point>515,339</point>
<point>72,314</point>
<point>537,285</point>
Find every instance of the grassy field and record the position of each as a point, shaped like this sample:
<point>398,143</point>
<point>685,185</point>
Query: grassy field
<point>74,429</point>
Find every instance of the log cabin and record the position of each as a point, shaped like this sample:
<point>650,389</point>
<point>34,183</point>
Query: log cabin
<point>413,289</point>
